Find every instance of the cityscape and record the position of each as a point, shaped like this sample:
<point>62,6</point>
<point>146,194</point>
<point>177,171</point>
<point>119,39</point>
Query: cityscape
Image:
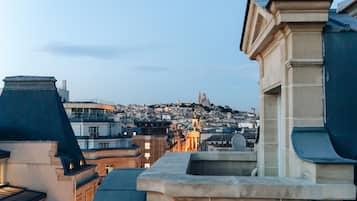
<point>275,121</point>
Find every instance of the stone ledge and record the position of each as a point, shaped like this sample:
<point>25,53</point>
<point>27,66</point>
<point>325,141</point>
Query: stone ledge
<point>168,177</point>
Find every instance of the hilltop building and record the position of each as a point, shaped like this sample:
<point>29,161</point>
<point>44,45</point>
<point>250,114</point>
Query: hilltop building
<point>203,100</point>
<point>41,151</point>
<point>306,146</point>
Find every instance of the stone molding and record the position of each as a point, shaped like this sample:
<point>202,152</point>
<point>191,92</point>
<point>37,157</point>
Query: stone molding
<point>304,63</point>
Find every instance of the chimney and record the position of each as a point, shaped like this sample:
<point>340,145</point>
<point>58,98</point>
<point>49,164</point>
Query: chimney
<point>64,84</point>
<point>29,83</point>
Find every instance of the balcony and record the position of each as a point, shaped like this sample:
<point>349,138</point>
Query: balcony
<point>179,176</point>
<point>83,117</point>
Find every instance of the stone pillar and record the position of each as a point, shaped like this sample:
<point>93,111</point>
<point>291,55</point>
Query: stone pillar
<point>286,38</point>
<point>268,143</point>
<point>304,90</point>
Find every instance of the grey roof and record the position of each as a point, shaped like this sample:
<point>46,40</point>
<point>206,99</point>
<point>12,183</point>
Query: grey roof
<point>220,137</point>
<point>340,22</point>
<point>313,144</point>
<point>31,110</point>
<point>120,183</point>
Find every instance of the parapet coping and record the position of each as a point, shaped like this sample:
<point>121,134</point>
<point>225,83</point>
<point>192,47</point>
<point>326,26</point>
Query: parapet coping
<point>168,176</point>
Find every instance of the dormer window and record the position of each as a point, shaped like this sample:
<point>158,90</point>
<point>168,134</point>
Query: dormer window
<point>71,166</point>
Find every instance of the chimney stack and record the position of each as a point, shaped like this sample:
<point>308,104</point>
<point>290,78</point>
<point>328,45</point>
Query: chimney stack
<point>29,83</point>
<point>64,84</point>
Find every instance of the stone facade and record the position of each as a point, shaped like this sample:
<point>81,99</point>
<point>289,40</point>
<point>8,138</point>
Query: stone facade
<point>286,38</point>
<point>152,147</point>
<point>35,165</point>
<point>108,159</point>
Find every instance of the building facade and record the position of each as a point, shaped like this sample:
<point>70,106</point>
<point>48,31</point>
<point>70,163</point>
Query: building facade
<point>305,149</point>
<point>101,138</point>
<point>44,153</point>
<point>152,141</point>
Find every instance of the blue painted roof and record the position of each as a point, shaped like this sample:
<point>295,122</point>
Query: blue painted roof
<point>340,22</point>
<point>340,73</point>
<point>120,183</point>
<point>31,110</point>
<point>313,144</point>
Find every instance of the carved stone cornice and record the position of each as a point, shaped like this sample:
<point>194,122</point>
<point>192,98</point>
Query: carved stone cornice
<point>303,63</point>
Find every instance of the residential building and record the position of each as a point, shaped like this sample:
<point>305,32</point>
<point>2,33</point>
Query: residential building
<point>43,152</point>
<point>101,137</point>
<point>305,149</point>
<point>152,141</point>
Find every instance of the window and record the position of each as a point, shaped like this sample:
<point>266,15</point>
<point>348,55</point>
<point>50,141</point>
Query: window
<point>108,169</point>
<point>71,166</point>
<point>147,165</point>
<point>147,145</point>
<point>104,145</point>
<point>93,131</point>
<point>147,156</point>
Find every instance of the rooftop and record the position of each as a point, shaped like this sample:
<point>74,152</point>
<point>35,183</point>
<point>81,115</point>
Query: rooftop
<point>169,177</point>
<point>11,193</point>
<point>120,183</point>
<point>31,110</point>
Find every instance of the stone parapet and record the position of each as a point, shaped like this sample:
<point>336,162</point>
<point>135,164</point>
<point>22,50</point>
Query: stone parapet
<point>167,180</point>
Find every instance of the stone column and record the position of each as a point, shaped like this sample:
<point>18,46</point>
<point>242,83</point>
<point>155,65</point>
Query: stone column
<point>303,89</point>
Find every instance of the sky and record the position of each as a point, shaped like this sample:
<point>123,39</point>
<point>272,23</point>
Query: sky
<point>132,51</point>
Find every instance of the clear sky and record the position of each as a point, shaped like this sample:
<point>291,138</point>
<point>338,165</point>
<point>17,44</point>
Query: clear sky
<point>132,51</point>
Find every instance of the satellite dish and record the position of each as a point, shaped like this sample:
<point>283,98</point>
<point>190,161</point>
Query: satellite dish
<point>239,142</point>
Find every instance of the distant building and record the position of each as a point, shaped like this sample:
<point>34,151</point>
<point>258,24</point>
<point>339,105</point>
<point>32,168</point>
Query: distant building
<point>101,137</point>
<point>246,125</point>
<point>203,100</point>
<point>306,150</point>
<point>43,152</point>
<point>152,140</point>
<point>63,92</point>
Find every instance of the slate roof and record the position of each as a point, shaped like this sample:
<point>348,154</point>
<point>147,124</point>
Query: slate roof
<point>31,110</point>
<point>220,137</point>
<point>4,154</point>
<point>11,193</point>
<point>120,183</point>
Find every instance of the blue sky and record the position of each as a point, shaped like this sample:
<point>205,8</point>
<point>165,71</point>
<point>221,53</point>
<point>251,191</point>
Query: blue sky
<point>132,51</point>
